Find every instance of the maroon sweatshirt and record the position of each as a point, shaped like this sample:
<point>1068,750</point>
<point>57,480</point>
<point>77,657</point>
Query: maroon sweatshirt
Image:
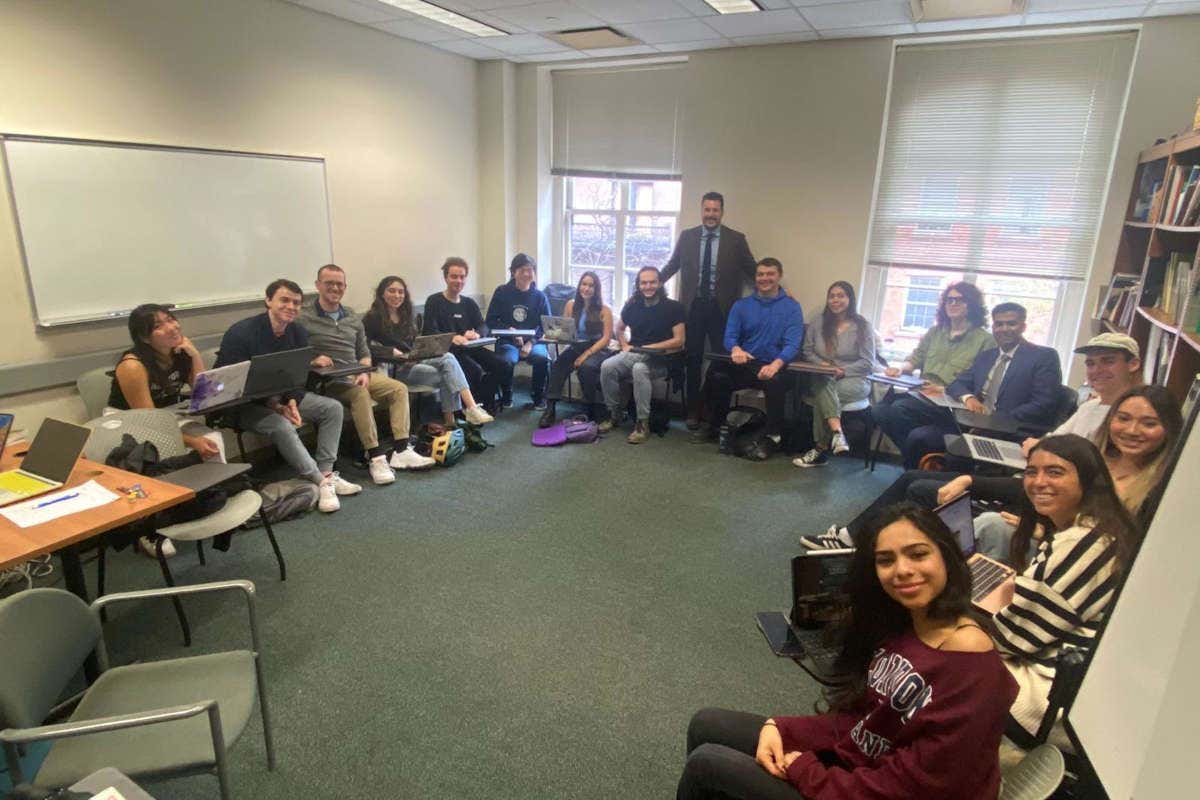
<point>930,728</point>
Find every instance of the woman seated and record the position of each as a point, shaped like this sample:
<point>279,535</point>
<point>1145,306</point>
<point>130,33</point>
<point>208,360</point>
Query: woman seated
<point>1085,539</point>
<point>391,328</point>
<point>923,702</point>
<point>593,329</point>
<point>844,340</point>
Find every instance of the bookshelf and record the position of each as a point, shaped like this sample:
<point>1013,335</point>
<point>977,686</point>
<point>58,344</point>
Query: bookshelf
<point>1153,293</point>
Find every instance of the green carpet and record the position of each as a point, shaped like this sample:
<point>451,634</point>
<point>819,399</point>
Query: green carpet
<point>531,623</point>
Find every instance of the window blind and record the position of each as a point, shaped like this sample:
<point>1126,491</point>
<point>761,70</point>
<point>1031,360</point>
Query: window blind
<point>997,154</point>
<point>620,123</point>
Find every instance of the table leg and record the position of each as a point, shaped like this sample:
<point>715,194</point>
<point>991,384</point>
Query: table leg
<point>76,584</point>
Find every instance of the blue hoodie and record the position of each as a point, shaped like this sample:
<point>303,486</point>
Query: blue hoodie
<point>766,328</point>
<point>512,308</point>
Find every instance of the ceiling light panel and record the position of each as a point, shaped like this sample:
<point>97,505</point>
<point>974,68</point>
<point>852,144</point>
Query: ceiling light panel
<point>733,6</point>
<point>445,17</point>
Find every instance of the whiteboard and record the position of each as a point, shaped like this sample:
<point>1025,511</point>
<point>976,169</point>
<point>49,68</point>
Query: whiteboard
<point>1140,693</point>
<point>106,226</point>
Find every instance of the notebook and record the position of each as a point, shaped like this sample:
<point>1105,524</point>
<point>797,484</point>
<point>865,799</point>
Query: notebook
<point>48,463</point>
<point>221,385</point>
<point>987,574</point>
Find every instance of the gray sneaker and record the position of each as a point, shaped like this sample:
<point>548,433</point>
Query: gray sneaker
<point>641,430</point>
<point>839,444</point>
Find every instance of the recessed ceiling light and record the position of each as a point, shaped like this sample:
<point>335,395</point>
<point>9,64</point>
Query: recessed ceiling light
<point>733,6</point>
<point>935,10</point>
<point>446,17</point>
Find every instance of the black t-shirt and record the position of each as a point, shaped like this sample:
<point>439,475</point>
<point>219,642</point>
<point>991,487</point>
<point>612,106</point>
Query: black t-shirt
<point>442,316</point>
<point>165,385</point>
<point>652,324</point>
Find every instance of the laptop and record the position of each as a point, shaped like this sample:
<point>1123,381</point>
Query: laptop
<point>987,574</point>
<point>944,400</point>
<point>48,463</point>
<point>221,385</point>
<point>818,577</point>
<point>559,329</point>
<point>911,381</point>
<point>995,451</point>
<point>275,373</point>
<point>433,346</point>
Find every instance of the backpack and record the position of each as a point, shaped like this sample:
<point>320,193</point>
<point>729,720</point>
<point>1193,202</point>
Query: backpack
<point>473,437</point>
<point>743,433</point>
<point>553,436</point>
<point>660,418</point>
<point>581,430</point>
<point>283,500</point>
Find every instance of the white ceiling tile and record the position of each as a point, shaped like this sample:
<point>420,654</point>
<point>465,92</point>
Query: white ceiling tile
<point>858,15</point>
<point>1045,6</point>
<point>554,16</point>
<point>632,10</point>
<point>773,4</point>
<point>807,3</point>
<point>679,30</point>
<point>636,50</point>
<point>569,55</point>
<point>1008,21</point>
<point>760,23</point>
<point>868,30</point>
<point>777,38</point>
<point>1085,15</point>
<point>489,4</point>
<point>687,47</point>
<point>1161,9</point>
<point>355,12</point>
<point>418,31</point>
<point>524,44</point>
<point>469,48</point>
<point>698,7</point>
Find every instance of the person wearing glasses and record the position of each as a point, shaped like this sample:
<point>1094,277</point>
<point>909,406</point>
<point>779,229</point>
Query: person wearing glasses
<point>946,349</point>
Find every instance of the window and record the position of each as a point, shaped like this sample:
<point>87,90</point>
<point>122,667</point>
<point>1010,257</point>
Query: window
<point>615,227</point>
<point>996,158</point>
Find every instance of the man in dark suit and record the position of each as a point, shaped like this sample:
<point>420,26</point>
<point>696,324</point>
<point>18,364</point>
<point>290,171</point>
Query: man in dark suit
<point>713,263</point>
<point>1017,378</point>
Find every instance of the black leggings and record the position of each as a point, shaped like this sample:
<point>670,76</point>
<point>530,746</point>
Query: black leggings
<point>721,766</point>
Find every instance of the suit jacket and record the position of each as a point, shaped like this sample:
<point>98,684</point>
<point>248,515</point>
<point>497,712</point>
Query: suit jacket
<point>1029,391</point>
<point>734,264</point>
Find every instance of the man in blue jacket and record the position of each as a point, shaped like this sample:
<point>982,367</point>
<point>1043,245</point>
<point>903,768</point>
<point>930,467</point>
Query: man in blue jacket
<point>1017,378</point>
<point>763,335</point>
<point>520,304</point>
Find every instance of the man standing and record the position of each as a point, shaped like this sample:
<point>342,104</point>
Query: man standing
<point>449,311</point>
<point>713,261</point>
<point>763,335</point>
<point>336,333</point>
<point>278,417</point>
<point>658,324</point>
<point>520,304</point>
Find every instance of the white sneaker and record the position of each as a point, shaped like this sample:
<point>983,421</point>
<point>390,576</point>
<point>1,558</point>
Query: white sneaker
<point>343,486</point>
<point>833,539</point>
<point>477,416</point>
<point>147,545</point>
<point>410,459</point>
<point>839,444</point>
<point>327,500</point>
<point>381,473</point>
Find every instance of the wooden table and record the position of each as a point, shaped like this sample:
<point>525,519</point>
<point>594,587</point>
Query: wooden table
<point>65,534</point>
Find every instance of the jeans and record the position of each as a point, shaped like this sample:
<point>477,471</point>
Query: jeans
<point>589,373</point>
<point>640,369</point>
<point>705,326</point>
<point>324,413</point>
<point>720,764</point>
<point>725,378</point>
<point>538,358</point>
<point>444,373</point>
<point>915,426</point>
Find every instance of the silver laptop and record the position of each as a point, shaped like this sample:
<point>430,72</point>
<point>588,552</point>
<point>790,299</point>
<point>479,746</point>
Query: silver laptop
<point>942,399</point>
<point>221,385</point>
<point>559,329</point>
<point>995,451</point>
<point>988,576</point>
<point>432,346</point>
<point>48,463</point>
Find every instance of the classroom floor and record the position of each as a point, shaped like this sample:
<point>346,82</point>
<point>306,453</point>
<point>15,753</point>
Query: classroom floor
<point>532,623</point>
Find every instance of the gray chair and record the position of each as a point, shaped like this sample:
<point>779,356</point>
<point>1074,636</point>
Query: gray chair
<point>151,719</point>
<point>1035,777</point>
<point>94,386</point>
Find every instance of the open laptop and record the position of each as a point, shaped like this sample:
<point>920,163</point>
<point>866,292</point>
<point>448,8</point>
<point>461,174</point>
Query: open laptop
<point>48,463</point>
<point>221,385</point>
<point>432,346</point>
<point>987,574</point>
<point>275,373</point>
<point>559,329</point>
<point>818,577</point>
<point>995,451</point>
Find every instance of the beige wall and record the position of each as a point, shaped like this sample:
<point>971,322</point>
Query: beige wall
<point>396,122</point>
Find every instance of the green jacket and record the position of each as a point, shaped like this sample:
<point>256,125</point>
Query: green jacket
<point>940,356</point>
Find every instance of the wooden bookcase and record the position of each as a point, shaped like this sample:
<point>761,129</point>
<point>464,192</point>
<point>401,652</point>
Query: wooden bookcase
<point>1143,251</point>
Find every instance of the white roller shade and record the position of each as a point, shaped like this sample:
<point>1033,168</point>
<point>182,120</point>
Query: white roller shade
<point>997,154</point>
<point>622,123</point>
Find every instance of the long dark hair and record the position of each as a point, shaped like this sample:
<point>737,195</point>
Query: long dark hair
<point>1100,505</point>
<point>142,321</point>
<point>379,308</point>
<point>594,306</point>
<point>977,313</point>
<point>829,320</point>
<point>872,617</point>
<point>1166,407</point>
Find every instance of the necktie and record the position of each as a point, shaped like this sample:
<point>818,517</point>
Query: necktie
<point>992,388</point>
<point>705,288</point>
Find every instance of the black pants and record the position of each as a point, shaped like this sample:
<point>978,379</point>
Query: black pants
<point>484,370</point>
<point>705,324</point>
<point>720,764</point>
<point>915,426</point>
<point>589,373</point>
<point>920,486</point>
<point>724,378</point>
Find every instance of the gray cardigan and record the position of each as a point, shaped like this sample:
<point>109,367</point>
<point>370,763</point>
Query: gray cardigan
<point>858,362</point>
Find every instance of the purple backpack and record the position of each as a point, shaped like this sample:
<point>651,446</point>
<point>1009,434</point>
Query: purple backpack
<point>553,436</point>
<point>581,430</point>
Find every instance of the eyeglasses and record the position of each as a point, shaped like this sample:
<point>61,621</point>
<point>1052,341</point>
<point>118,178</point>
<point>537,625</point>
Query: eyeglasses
<point>955,300</point>
<point>333,284</point>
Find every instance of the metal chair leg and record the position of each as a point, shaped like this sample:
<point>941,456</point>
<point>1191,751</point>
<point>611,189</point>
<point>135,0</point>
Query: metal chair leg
<point>200,552</point>
<point>274,544</point>
<point>218,741</point>
<point>170,579</point>
<point>101,570</point>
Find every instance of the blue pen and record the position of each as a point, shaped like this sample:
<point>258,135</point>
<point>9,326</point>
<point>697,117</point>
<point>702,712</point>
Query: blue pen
<point>56,500</point>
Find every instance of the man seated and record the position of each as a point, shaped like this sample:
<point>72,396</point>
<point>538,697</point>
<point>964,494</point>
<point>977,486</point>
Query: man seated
<point>277,418</point>
<point>336,333</point>
<point>520,304</point>
<point>657,323</point>
<point>449,311</point>
<point>763,335</point>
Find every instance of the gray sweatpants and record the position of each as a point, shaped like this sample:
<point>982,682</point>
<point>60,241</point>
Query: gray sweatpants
<point>640,369</point>
<point>323,412</point>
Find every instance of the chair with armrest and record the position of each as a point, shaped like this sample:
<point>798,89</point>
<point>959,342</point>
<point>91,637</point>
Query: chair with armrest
<point>94,386</point>
<point>153,719</point>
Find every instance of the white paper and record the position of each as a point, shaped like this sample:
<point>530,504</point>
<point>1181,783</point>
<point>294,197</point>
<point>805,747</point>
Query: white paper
<point>109,794</point>
<point>41,508</point>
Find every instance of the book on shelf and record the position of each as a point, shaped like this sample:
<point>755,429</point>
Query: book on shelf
<point>1192,209</point>
<point>1110,296</point>
<point>1150,354</point>
<point>1176,277</point>
<point>1156,197</point>
<point>1183,183</point>
<point>1149,180</point>
<point>1189,315</point>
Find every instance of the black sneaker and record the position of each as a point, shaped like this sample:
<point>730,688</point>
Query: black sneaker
<point>506,400</point>
<point>813,458</point>
<point>833,539</point>
<point>539,404</point>
<point>548,418</point>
